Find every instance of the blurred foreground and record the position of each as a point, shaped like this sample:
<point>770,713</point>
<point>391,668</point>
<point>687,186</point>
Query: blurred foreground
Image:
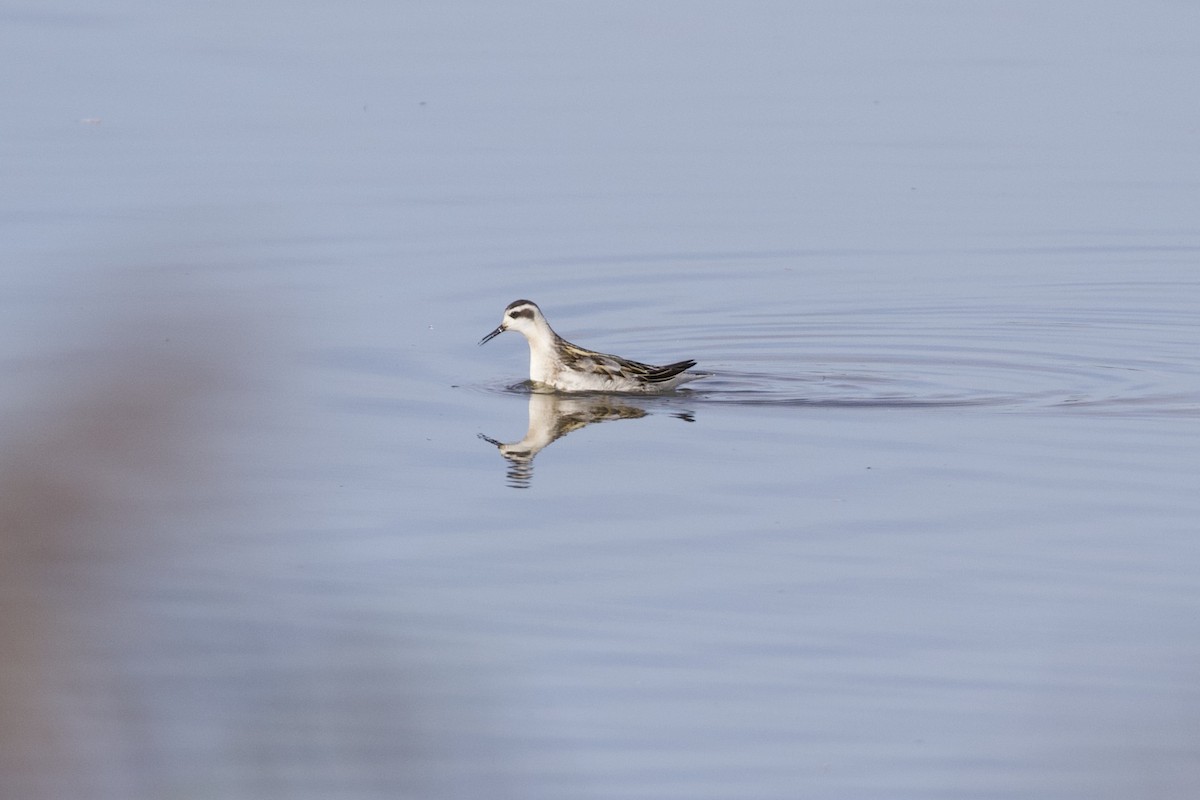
<point>160,640</point>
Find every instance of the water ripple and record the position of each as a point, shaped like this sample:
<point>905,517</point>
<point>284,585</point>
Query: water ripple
<point>1117,360</point>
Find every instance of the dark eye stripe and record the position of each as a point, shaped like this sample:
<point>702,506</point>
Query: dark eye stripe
<point>524,312</point>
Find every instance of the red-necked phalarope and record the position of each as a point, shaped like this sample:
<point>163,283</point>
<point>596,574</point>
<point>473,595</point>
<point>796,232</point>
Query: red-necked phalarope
<point>555,362</point>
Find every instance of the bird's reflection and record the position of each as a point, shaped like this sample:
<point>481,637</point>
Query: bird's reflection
<point>552,416</point>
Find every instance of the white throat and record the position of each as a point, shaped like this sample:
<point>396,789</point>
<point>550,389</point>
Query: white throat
<point>543,357</point>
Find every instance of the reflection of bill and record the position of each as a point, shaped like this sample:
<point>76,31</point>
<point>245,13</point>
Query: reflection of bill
<point>552,416</point>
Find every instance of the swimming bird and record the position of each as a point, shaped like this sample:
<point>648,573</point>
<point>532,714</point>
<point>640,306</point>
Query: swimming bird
<point>556,363</point>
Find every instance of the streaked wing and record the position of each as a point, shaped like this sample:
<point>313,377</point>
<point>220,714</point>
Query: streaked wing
<point>581,360</point>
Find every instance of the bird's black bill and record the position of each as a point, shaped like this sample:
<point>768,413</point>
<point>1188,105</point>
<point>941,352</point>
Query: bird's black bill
<point>492,335</point>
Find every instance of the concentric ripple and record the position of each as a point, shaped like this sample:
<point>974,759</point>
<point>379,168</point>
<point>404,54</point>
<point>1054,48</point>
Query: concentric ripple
<point>1132,358</point>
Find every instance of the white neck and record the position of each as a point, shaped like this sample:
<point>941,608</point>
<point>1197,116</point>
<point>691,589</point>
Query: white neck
<point>543,359</point>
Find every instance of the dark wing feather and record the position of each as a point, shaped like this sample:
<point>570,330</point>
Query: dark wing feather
<point>580,358</point>
<point>660,374</point>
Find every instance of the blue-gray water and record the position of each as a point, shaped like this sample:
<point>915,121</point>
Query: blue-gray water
<point>928,530</point>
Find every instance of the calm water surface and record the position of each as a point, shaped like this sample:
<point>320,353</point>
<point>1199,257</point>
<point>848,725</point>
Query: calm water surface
<point>929,529</point>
